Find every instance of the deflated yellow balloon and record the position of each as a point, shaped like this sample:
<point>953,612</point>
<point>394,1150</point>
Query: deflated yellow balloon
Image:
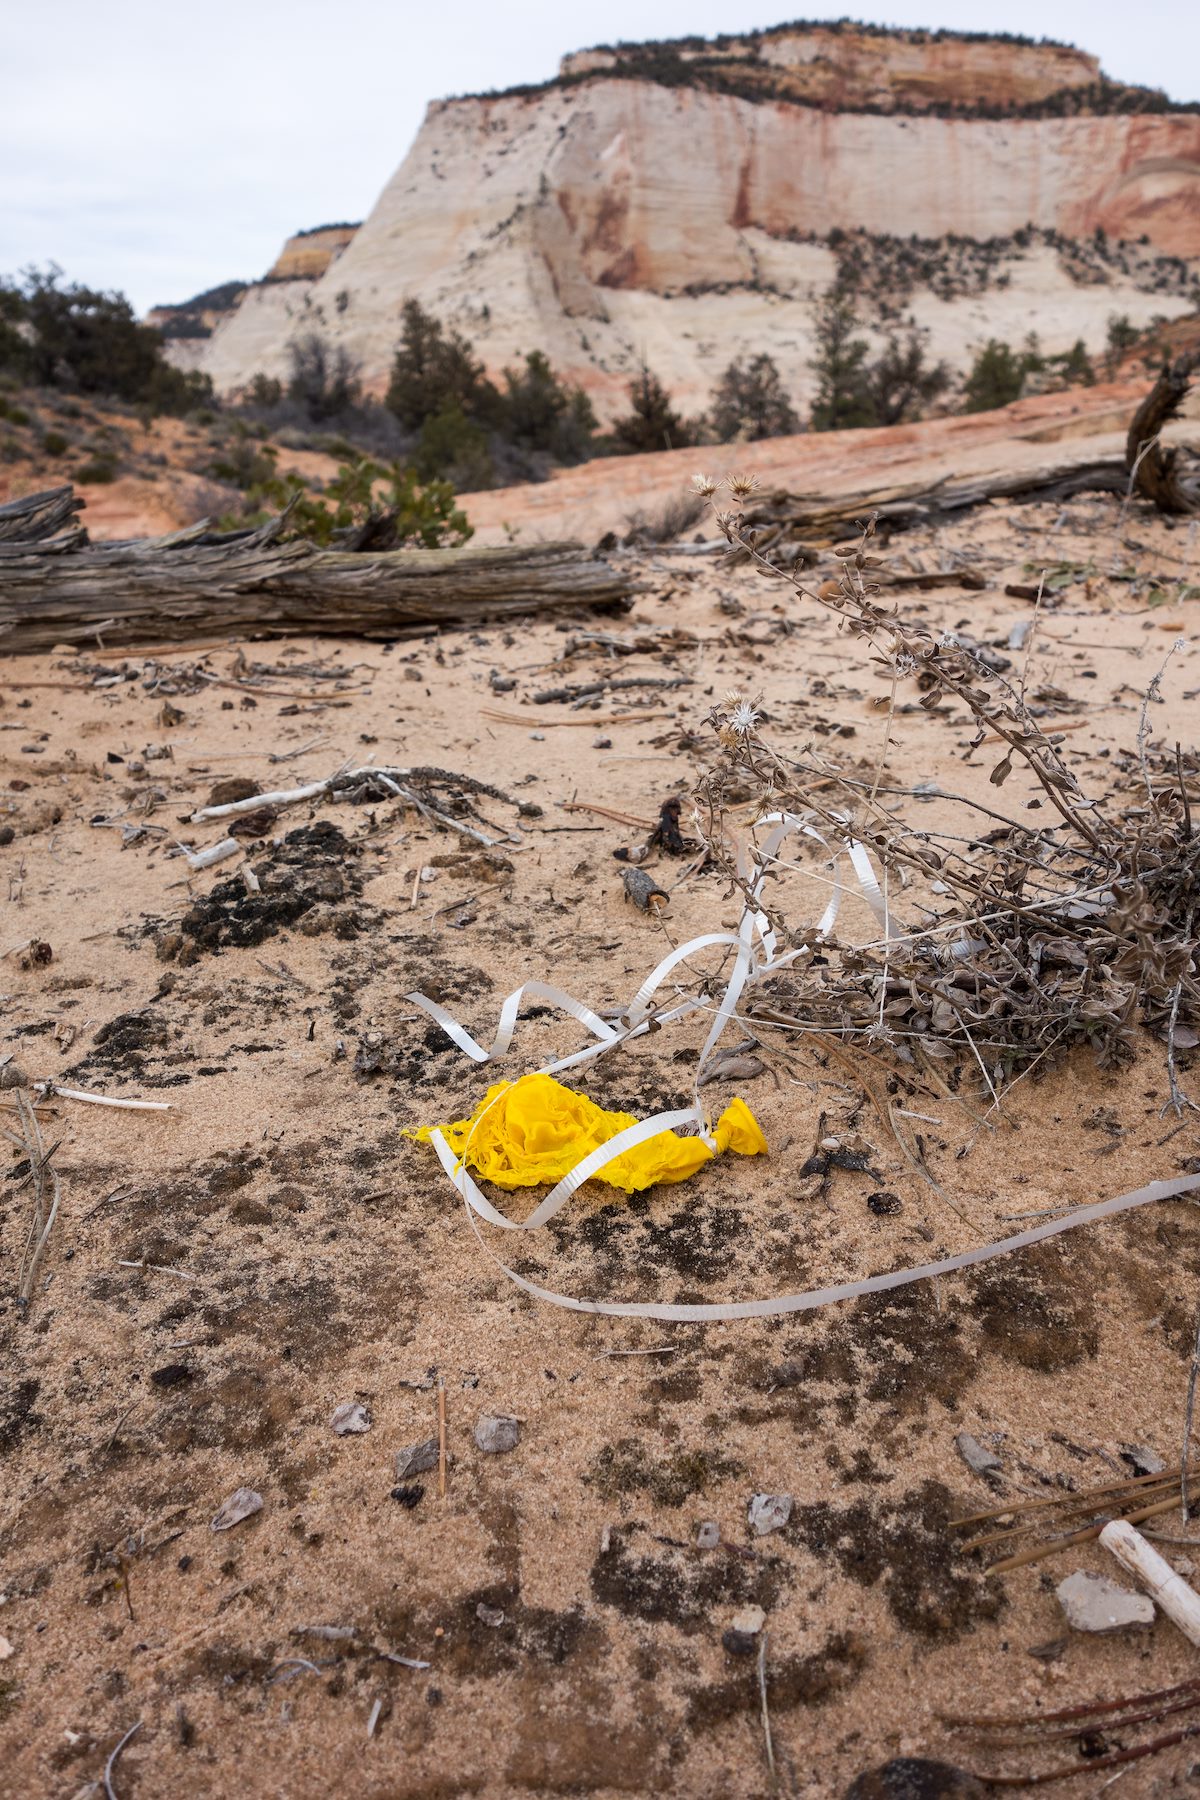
<point>532,1132</point>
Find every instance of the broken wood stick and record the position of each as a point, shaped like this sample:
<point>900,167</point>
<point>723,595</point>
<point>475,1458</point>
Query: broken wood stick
<point>1153,1572</point>
<point>200,583</point>
<point>1164,475</point>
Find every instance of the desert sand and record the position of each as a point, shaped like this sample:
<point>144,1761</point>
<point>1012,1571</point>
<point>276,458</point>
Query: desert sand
<point>223,1275</point>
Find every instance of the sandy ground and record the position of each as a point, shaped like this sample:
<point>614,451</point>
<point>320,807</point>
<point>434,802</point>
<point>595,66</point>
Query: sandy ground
<point>305,1254</point>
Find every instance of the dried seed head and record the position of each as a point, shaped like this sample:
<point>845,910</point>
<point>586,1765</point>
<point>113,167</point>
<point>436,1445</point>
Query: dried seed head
<point>743,718</point>
<point>704,485</point>
<point>741,485</point>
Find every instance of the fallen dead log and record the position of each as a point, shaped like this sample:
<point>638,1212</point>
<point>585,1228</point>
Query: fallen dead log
<point>1170,477</point>
<point>56,588</point>
<point>788,516</point>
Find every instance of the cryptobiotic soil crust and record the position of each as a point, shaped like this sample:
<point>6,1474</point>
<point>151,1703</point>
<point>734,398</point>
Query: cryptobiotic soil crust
<point>300,1253</point>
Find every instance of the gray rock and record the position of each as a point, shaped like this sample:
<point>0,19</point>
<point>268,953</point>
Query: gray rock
<point>349,1418</point>
<point>497,1432</point>
<point>708,1535</point>
<point>416,1459</point>
<point>1145,1461</point>
<point>769,1512</point>
<point>241,1504</point>
<point>978,1459</point>
<point>1093,1603</point>
<point>915,1778</point>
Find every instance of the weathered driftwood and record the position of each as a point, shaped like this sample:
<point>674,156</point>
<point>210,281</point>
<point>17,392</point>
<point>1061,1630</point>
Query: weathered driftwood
<point>1154,1573</point>
<point>817,517</point>
<point>59,589</point>
<point>1170,477</point>
<point>1165,474</point>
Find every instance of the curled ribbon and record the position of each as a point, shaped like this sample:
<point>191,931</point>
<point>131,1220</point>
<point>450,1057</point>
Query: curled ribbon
<point>756,955</point>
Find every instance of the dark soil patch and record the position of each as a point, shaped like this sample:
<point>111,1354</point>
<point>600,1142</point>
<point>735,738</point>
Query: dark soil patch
<point>123,1047</point>
<point>792,1681</point>
<point>626,1467</point>
<point>676,1585</point>
<point>931,1590</point>
<point>1038,1313</point>
<point>697,1241</point>
<point>17,1417</point>
<point>312,869</point>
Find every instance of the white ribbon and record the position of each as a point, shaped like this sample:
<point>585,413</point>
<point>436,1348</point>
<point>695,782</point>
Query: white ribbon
<point>752,961</point>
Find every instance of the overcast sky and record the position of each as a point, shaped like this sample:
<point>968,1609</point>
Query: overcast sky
<point>161,148</point>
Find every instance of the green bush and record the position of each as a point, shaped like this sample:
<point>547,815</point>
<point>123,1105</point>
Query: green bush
<point>1076,364</point>
<point>900,382</point>
<point>453,448</point>
<point>55,443</point>
<point>750,402</point>
<point>998,375</point>
<point>244,463</point>
<point>435,372</point>
<point>324,381</point>
<point>539,412</point>
<point>405,512</point>
<point>652,422</point>
<point>840,365</point>
<point>15,415</point>
<point>264,390</point>
<point>1122,334</point>
<point>87,341</point>
<point>97,471</point>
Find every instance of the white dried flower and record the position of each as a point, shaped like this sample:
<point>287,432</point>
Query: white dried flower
<point>704,485</point>
<point>742,485</point>
<point>743,718</point>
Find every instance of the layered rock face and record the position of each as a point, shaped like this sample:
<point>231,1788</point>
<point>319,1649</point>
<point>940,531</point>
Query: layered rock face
<point>614,215</point>
<point>310,254</point>
<point>851,68</point>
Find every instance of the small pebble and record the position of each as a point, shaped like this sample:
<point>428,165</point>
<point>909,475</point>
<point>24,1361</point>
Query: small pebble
<point>750,1619</point>
<point>708,1535</point>
<point>489,1615</point>
<point>1093,1603</point>
<point>1145,1461</point>
<point>769,1512</point>
<point>979,1460</point>
<point>241,1504</point>
<point>416,1459</point>
<point>915,1778</point>
<point>497,1432</point>
<point>350,1417</point>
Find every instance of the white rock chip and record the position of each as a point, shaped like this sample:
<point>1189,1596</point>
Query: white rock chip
<point>350,1417</point>
<point>769,1512</point>
<point>750,1620</point>
<point>241,1504</point>
<point>1093,1603</point>
<point>708,1535</point>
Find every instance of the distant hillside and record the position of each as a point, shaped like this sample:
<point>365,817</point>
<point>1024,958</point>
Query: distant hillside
<point>687,202</point>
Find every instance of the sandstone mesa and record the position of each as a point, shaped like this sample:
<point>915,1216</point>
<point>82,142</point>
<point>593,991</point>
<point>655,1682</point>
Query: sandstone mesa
<point>674,202</point>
